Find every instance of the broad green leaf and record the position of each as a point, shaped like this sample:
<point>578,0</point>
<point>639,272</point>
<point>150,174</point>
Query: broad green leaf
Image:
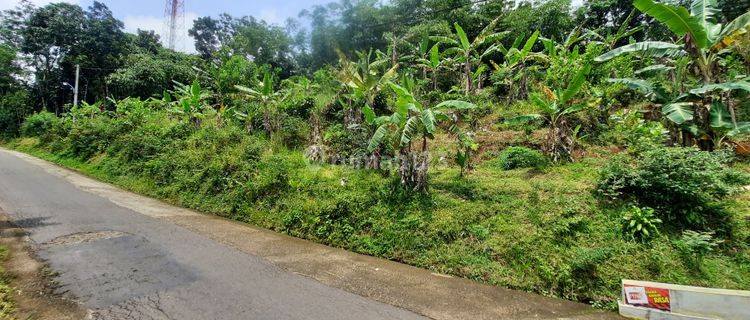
<point>651,90</point>
<point>492,49</point>
<point>676,18</point>
<point>575,85</point>
<point>727,86</point>
<point>573,109</point>
<point>530,43</point>
<point>435,55</point>
<point>643,86</point>
<point>453,51</point>
<point>439,116</point>
<point>428,121</point>
<point>479,72</point>
<point>397,118</point>
<point>442,39</point>
<point>654,68</point>
<point>679,112</point>
<point>648,48</point>
<point>517,41</point>
<point>381,120</point>
<point>424,44</point>
<point>369,114</point>
<point>377,138</point>
<point>705,11</point>
<point>538,100</point>
<point>410,128</point>
<point>692,129</point>
<point>455,104</point>
<point>719,116</point>
<point>742,128</point>
<point>267,84</point>
<point>400,91</point>
<point>462,37</point>
<point>246,90</point>
<point>491,38</point>
<point>390,74</point>
<point>195,89</point>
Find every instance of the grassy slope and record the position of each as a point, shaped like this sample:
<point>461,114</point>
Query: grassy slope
<point>537,231</point>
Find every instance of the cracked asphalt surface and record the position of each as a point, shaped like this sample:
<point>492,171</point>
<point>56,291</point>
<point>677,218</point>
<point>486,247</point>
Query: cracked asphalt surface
<point>123,265</point>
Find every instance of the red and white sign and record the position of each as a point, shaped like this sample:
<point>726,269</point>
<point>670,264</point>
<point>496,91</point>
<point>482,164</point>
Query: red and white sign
<point>648,297</point>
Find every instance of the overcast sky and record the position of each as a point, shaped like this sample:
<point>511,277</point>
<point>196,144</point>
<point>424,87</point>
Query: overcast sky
<point>149,14</point>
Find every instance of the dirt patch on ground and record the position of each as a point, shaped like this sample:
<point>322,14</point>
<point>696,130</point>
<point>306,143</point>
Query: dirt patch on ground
<point>31,281</point>
<point>84,237</point>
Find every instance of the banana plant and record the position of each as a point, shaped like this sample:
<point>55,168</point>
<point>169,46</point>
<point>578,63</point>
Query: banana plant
<point>704,41</point>
<point>414,124</point>
<point>365,80</point>
<point>704,38</point>
<point>555,107</point>
<point>433,64</point>
<point>624,32</point>
<point>189,100</point>
<point>514,68</point>
<point>264,103</point>
<point>469,53</point>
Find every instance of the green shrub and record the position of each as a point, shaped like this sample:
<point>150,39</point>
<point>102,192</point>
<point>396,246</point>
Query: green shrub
<point>640,224</point>
<point>521,157</point>
<point>696,244</point>
<point>38,124</point>
<point>344,143</point>
<point>683,185</point>
<point>294,132</point>
<point>632,131</point>
<point>92,136</point>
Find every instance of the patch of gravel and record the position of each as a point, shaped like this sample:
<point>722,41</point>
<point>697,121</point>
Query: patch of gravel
<point>84,237</point>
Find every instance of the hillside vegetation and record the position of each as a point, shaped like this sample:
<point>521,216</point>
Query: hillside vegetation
<point>611,143</point>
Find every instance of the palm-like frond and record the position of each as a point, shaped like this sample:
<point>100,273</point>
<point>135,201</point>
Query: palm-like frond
<point>727,86</point>
<point>377,137</point>
<point>646,48</point>
<point>676,18</point>
<point>410,128</point>
<point>575,85</point>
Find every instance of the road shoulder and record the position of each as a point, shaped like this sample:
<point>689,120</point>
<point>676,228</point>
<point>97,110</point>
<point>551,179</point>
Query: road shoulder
<point>32,286</point>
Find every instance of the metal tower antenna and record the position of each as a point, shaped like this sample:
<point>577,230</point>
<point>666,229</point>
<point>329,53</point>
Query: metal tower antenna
<point>175,13</point>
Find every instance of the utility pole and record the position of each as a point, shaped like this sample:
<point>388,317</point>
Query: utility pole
<point>75,89</point>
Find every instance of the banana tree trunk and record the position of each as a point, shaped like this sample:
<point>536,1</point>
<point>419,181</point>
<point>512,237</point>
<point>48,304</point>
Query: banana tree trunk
<point>413,167</point>
<point>467,73</point>
<point>315,151</point>
<point>559,144</point>
<point>434,80</point>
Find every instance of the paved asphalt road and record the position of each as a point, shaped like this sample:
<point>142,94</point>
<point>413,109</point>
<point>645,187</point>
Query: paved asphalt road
<point>125,265</point>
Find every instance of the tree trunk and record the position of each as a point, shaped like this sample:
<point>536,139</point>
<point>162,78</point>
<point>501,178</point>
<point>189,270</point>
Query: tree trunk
<point>467,74</point>
<point>559,144</point>
<point>315,151</point>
